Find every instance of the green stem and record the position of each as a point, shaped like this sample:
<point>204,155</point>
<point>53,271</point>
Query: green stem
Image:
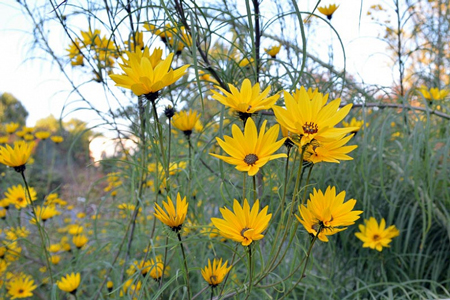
<point>38,224</point>
<point>306,184</point>
<point>244,185</point>
<point>228,274</point>
<point>250,270</point>
<point>254,188</point>
<point>185,266</point>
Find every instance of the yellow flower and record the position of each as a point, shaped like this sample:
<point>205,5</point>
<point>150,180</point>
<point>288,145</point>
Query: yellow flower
<point>4,139</point>
<point>79,240</point>
<point>156,268</point>
<point>55,259</point>
<point>186,121</point>
<point>311,119</point>
<point>376,236</point>
<point>173,216</point>
<point>21,286</point>
<point>247,101</point>
<point>10,251</point>
<point>244,225</point>
<point>75,229</point>
<point>69,283</point>
<point>16,157</point>
<point>138,38</point>
<point>326,213</point>
<point>330,151</point>
<point>28,137</point>
<point>91,38</point>
<point>76,59</point>
<point>273,51</point>
<point>245,62</point>
<point>12,127</point>
<point>2,213</point>
<point>44,213</point>
<point>433,93</point>
<point>15,233</point>
<point>147,74</point>
<point>19,197</point>
<point>354,123</point>
<point>42,135</point>
<point>57,139</point>
<point>328,10</point>
<point>248,150</point>
<point>215,274</point>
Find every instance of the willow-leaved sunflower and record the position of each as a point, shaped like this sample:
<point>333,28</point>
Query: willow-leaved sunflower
<point>215,273</point>
<point>186,121</point>
<point>327,214</point>
<point>248,100</point>
<point>21,286</point>
<point>69,283</point>
<point>329,10</point>
<point>173,216</point>
<point>248,150</point>
<point>244,224</point>
<point>333,151</point>
<point>18,196</point>
<point>311,119</point>
<point>147,74</point>
<point>376,236</point>
<point>16,157</point>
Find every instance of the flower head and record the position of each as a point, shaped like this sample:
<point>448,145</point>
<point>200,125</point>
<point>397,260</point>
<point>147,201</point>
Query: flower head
<point>44,213</point>
<point>433,93</point>
<point>21,286</point>
<point>248,100</point>
<point>79,240</point>
<point>333,151</point>
<point>311,119</point>
<point>376,236</point>
<point>19,197</point>
<point>42,135</point>
<point>245,224</point>
<point>273,51</point>
<point>147,74</point>
<point>329,10</point>
<point>186,121</point>
<point>16,157</point>
<point>69,283</point>
<point>12,127</point>
<point>248,150</point>
<point>215,274</point>
<point>172,216</point>
<point>325,214</point>
<point>57,139</point>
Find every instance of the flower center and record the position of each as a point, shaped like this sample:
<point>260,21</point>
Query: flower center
<point>244,230</point>
<point>20,291</point>
<point>250,159</point>
<point>213,278</point>
<point>376,237</point>
<point>19,199</point>
<point>310,128</point>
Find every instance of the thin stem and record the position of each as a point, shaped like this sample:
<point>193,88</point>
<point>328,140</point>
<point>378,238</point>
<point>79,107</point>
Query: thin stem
<point>212,293</point>
<point>254,188</point>
<point>244,185</point>
<point>38,224</point>
<point>306,184</point>
<point>250,270</point>
<point>185,266</point>
<point>201,292</point>
<point>228,274</point>
<point>164,262</point>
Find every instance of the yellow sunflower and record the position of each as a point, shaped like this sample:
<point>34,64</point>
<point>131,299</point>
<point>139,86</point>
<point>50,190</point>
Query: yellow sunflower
<point>248,150</point>
<point>248,100</point>
<point>325,214</point>
<point>376,236</point>
<point>69,283</point>
<point>173,216</point>
<point>186,121</point>
<point>333,151</point>
<point>16,157</point>
<point>44,213</point>
<point>19,197</point>
<point>12,127</point>
<point>273,51</point>
<point>147,74</point>
<point>329,10</point>
<point>311,119</point>
<point>433,93</point>
<point>42,135</point>
<point>21,286</point>
<point>215,274</point>
<point>57,139</point>
<point>245,224</point>
<point>79,240</point>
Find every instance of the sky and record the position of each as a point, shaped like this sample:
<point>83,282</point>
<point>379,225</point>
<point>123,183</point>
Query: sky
<point>43,90</point>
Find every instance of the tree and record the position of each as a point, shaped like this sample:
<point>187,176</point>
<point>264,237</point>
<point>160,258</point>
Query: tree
<point>12,110</point>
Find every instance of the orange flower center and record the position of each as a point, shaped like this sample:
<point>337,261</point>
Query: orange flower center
<point>250,159</point>
<point>310,128</point>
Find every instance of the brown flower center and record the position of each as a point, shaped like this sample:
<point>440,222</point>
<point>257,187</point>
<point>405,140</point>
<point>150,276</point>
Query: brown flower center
<point>244,230</point>
<point>213,278</point>
<point>20,291</point>
<point>376,237</point>
<point>250,159</point>
<point>310,128</point>
<point>19,199</point>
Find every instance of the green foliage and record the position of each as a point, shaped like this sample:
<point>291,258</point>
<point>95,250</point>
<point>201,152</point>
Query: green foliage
<point>12,110</point>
